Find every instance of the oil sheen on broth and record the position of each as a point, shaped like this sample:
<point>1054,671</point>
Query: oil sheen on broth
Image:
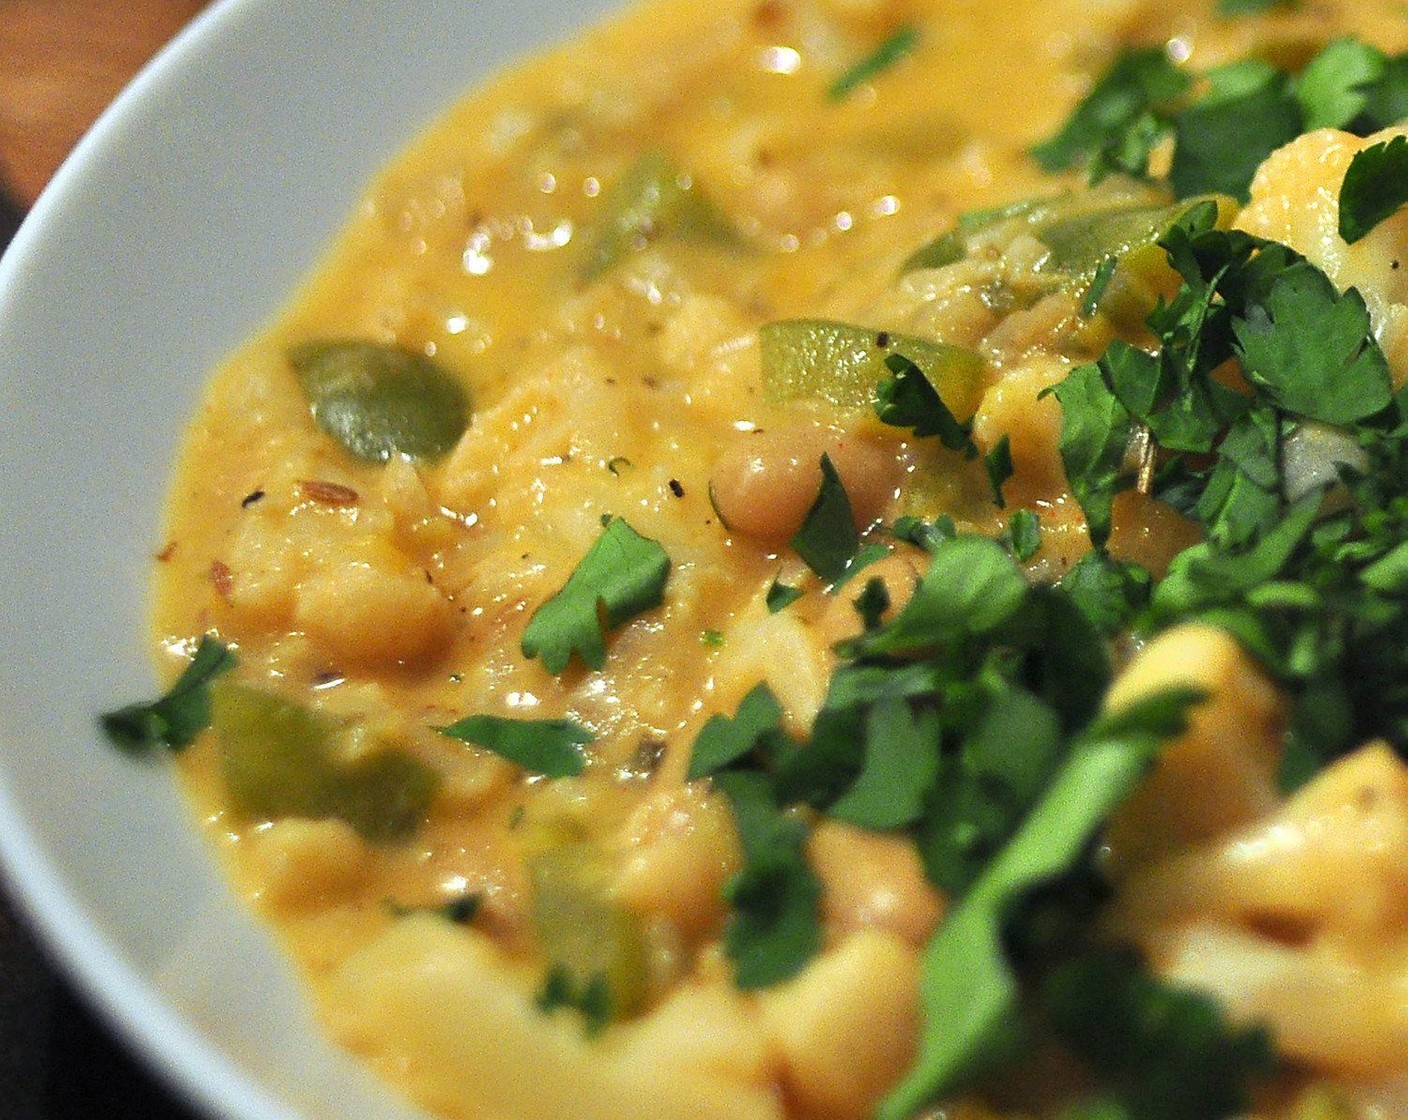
<point>627,256</point>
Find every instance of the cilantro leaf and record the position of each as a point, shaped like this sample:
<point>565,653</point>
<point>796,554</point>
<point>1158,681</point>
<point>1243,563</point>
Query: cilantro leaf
<point>774,929</point>
<point>872,603</point>
<point>827,539</point>
<point>1385,98</point>
<point>1223,138</point>
<point>1169,1050</point>
<point>927,535</point>
<point>1095,430</point>
<point>972,586</point>
<point>901,764</point>
<point>1104,273</point>
<point>174,720</point>
<point>591,998</point>
<point>622,575</point>
<point>460,910</point>
<point>1249,7</point>
<point>908,399</point>
<point>780,596</point>
<point>1375,187</point>
<point>866,555</point>
<point>894,48</point>
<point>1332,89</point>
<point>1117,107</point>
<point>987,787</point>
<point>1311,349</point>
<point>969,993</point>
<point>1023,534</point>
<point>998,464</point>
<point>1111,593</point>
<point>551,747</point>
<point>723,740</point>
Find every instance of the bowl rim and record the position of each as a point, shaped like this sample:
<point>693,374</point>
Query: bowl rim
<point>130,1004</point>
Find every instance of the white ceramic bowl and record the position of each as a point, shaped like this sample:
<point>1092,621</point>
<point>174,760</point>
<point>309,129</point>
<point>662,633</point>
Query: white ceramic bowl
<point>181,223</point>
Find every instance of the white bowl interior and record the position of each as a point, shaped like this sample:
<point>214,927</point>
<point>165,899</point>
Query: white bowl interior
<point>181,223</point>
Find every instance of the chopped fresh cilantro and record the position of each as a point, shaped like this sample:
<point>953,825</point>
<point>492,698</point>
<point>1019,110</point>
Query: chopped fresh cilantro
<point>828,539</point>
<point>1168,1051</point>
<point>711,638</point>
<point>592,998</point>
<point>872,603</point>
<point>1023,534</point>
<point>1090,302</point>
<point>1220,140</point>
<point>461,911</point>
<point>1375,187</point>
<point>998,464</point>
<point>969,993</point>
<point>985,788</point>
<point>551,747</point>
<point>1224,127</point>
<point>621,576</point>
<point>1333,87</point>
<point>866,555</point>
<point>1117,108</point>
<point>1111,593</point>
<point>972,587</point>
<point>1311,349</point>
<point>774,929</point>
<point>725,740</point>
<point>894,48</point>
<point>1249,7</point>
<point>780,596</point>
<point>174,720</point>
<point>909,400</point>
<point>901,763</point>
<point>927,535</point>
<point>1095,430</point>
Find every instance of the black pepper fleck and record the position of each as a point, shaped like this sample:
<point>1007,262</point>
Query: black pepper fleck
<point>675,488</point>
<point>250,498</point>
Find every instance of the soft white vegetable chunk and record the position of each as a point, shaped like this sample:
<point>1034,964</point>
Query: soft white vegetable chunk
<point>1221,772</point>
<point>433,1001</point>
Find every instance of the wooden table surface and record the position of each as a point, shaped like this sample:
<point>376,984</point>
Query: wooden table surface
<point>61,63</point>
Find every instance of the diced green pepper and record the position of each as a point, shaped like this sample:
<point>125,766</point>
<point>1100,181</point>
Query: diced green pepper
<point>1081,242</point>
<point>380,400</point>
<point>952,246</point>
<point>653,199</point>
<point>583,932</point>
<point>279,760</point>
<point>817,359</point>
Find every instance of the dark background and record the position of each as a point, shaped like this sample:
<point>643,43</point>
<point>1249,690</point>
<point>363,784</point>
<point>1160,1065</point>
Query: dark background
<point>61,63</point>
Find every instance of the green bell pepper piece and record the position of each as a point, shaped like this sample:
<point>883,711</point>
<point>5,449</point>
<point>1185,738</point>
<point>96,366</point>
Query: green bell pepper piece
<point>379,400</point>
<point>818,359</point>
<point>279,759</point>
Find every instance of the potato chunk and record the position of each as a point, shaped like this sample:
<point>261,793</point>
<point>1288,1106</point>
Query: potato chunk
<point>1221,772</point>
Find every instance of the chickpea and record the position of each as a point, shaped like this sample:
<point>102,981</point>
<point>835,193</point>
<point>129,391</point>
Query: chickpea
<point>766,482</point>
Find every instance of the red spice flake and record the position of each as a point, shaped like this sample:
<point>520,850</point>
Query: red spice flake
<point>327,493</point>
<point>165,555</point>
<point>222,578</point>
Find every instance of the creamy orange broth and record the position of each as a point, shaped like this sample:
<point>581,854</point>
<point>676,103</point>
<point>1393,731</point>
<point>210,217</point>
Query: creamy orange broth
<point>397,595</point>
